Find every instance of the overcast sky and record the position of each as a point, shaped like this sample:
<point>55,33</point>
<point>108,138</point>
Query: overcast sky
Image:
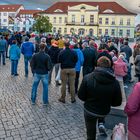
<point>132,5</point>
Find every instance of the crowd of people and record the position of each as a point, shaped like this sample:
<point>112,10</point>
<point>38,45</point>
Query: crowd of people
<point>106,71</point>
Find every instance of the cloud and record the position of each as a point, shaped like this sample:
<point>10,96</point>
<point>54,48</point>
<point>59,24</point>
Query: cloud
<point>44,4</point>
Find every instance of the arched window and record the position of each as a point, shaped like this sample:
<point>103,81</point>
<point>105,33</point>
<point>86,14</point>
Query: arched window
<point>81,31</point>
<point>91,32</point>
<point>54,29</point>
<point>72,30</point>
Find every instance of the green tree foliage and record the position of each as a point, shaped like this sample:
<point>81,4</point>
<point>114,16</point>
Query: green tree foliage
<point>42,24</point>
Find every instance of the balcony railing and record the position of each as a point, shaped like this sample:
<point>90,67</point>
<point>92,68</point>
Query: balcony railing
<point>82,24</point>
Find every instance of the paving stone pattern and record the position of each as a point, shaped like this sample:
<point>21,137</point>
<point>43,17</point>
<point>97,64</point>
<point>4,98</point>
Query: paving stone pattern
<point>19,120</point>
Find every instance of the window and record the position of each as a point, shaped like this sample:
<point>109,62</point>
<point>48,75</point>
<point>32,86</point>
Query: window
<point>60,19</point>
<point>127,32</point>
<point>121,21</point>
<point>65,19</point>
<point>82,19</point>
<point>73,18</point>
<point>54,19</point>
<point>5,14</point>
<point>54,29</point>
<point>128,21</point>
<point>91,32</point>
<point>60,30</point>
<point>12,14</point>
<point>120,32</point>
<point>72,30</point>
<point>113,32</point>
<point>106,31</point>
<point>4,20</point>
<point>65,30</point>
<point>91,18</point>
<point>100,20</point>
<point>100,31</point>
<point>106,21</point>
<point>113,21</point>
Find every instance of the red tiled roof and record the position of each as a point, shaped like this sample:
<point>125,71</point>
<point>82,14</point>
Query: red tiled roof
<point>30,12</point>
<point>118,9</point>
<point>10,8</point>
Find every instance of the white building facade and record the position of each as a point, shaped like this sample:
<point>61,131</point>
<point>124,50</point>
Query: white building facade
<point>24,20</point>
<point>8,14</point>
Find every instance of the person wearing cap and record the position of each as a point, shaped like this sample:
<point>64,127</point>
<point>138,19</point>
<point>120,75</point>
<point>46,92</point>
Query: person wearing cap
<point>99,90</point>
<point>14,56</point>
<point>53,53</point>
<point>40,65</point>
<point>43,40</point>
<point>27,49</point>
<point>89,59</point>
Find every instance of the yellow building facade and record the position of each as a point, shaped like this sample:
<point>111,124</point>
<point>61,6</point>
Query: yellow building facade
<point>91,18</point>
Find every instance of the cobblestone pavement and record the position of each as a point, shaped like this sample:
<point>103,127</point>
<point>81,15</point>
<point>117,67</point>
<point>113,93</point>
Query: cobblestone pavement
<point>19,120</point>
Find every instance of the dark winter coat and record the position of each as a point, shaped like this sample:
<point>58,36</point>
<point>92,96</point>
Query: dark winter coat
<point>67,58</point>
<point>53,53</point>
<point>99,91</point>
<point>41,63</point>
<point>89,60</point>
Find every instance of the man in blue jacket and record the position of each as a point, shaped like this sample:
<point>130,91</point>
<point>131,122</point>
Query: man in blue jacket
<point>3,45</point>
<point>27,49</point>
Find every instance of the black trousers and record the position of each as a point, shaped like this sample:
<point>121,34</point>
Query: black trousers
<point>90,122</point>
<point>77,81</point>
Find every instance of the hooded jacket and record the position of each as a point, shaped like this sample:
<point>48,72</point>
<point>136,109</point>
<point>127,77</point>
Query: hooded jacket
<point>99,91</point>
<point>120,68</point>
<point>132,109</point>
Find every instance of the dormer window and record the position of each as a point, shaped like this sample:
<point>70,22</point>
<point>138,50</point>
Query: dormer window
<point>83,8</point>
<point>108,11</point>
<point>58,10</point>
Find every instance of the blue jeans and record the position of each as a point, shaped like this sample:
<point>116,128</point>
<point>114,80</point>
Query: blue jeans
<point>2,54</point>
<point>26,60</point>
<point>44,80</point>
<point>14,64</point>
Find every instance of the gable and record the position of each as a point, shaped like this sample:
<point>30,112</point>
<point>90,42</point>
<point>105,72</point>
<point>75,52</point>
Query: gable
<point>108,11</point>
<point>58,10</point>
<point>83,7</point>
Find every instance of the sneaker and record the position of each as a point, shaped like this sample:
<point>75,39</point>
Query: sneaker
<point>73,101</point>
<point>61,100</point>
<point>16,74</point>
<point>125,86</point>
<point>102,130</point>
<point>131,81</point>
<point>33,103</point>
<point>45,104</point>
<point>57,83</point>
